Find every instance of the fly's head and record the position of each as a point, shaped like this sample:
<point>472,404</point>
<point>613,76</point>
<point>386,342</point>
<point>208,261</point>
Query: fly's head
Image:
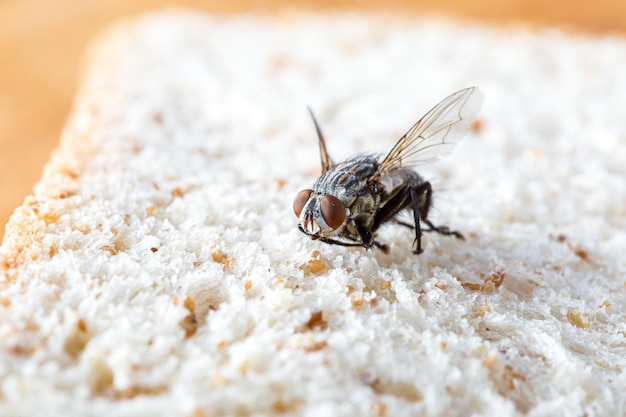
<point>321,215</point>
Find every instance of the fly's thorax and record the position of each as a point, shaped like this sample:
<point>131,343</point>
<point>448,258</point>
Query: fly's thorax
<point>348,179</point>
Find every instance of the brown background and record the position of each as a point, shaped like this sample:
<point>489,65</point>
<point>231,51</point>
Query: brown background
<point>42,41</point>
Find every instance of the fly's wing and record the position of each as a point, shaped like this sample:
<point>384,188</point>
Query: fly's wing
<point>327,162</point>
<point>434,135</point>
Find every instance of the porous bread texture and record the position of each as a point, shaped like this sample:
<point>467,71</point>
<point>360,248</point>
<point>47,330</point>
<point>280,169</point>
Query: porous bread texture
<point>157,268</point>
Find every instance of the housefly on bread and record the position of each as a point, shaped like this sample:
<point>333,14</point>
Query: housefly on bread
<point>353,198</point>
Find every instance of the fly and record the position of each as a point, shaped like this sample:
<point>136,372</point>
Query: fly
<point>353,198</point>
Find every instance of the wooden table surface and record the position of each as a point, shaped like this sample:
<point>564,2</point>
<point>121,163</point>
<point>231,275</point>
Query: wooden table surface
<point>41,44</point>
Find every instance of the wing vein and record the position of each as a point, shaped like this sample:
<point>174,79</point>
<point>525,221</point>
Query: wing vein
<point>436,133</point>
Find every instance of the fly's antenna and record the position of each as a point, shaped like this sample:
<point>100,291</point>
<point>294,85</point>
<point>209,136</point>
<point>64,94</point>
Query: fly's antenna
<point>327,162</point>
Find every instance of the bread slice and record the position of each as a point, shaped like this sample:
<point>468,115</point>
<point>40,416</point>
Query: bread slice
<point>157,269</point>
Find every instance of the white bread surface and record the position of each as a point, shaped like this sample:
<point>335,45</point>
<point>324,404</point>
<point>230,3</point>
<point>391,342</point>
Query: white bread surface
<point>157,269</point>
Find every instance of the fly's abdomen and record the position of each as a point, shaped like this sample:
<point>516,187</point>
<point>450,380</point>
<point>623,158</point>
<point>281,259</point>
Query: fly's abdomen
<point>393,183</point>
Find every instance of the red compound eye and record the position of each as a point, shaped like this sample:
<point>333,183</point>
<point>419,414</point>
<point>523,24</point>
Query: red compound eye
<point>333,211</point>
<point>300,201</point>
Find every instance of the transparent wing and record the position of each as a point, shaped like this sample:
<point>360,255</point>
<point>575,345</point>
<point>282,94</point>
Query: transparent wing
<point>435,135</point>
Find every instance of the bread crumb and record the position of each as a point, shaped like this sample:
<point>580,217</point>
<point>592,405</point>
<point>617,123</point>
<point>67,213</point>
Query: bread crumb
<point>578,250</point>
<point>137,390</point>
<point>573,246</point>
<point>177,192</point>
<point>403,389</point>
<point>484,308</point>
<point>109,249</point>
<point>77,339</point>
<point>151,209</point>
<point>605,304</point>
<point>379,409</point>
<point>279,406</point>
<point>222,258</point>
<point>5,302</point>
<point>101,377</point>
<point>316,346</point>
<point>190,322</point>
<point>247,285</point>
<point>385,284</point>
<point>560,238</point>
<point>477,126</point>
<point>510,377</point>
<point>316,321</point>
<point>357,299</point>
<point>493,281</point>
<point>472,286</point>
<point>578,319</point>
<point>199,412</point>
<point>314,265</point>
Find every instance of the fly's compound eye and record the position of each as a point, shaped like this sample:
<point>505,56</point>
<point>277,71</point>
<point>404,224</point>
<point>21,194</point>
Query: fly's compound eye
<point>333,211</point>
<point>300,201</point>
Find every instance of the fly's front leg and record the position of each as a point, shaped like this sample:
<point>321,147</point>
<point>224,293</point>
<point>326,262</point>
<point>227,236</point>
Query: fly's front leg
<point>338,242</point>
<point>380,246</point>
<point>367,237</point>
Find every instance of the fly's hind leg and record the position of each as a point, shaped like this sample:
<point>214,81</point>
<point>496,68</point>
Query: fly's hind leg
<point>420,212</point>
<point>407,197</point>
<point>427,191</point>
<point>418,198</point>
<point>442,230</point>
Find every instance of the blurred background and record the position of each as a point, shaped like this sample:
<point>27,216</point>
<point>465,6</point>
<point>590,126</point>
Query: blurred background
<point>42,42</point>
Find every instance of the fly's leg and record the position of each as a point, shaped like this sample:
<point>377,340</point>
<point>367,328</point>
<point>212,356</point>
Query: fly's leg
<point>421,201</point>
<point>442,230</point>
<point>367,237</point>
<point>425,189</point>
<point>408,197</point>
<point>396,204</point>
<point>338,242</point>
<point>380,246</point>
